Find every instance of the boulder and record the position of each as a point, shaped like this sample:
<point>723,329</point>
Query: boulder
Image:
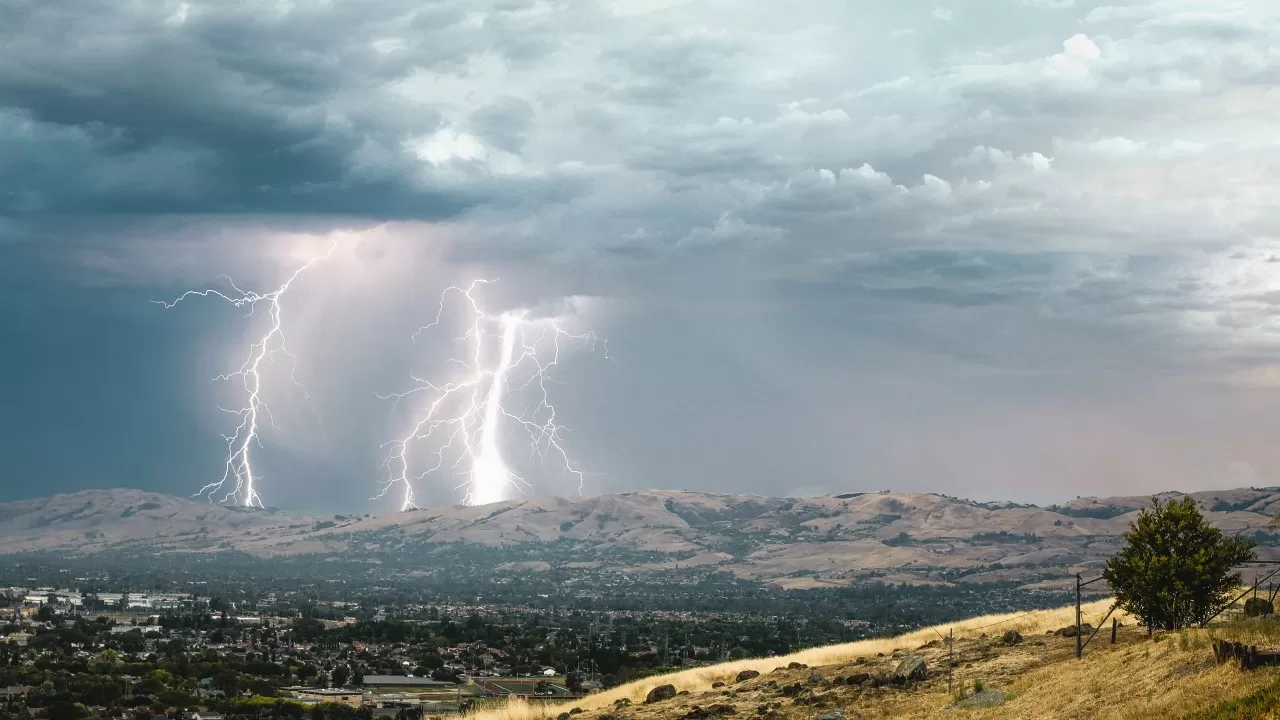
<point>796,666</point>
<point>857,678</point>
<point>1257,607</point>
<point>832,714</point>
<point>562,716</point>
<point>622,702</point>
<point>746,675</point>
<point>576,711</point>
<point>814,678</point>
<point>1011,637</point>
<point>791,690</point>
<point>717,684</point>
<point>912,669</point>
<point>660,693</point>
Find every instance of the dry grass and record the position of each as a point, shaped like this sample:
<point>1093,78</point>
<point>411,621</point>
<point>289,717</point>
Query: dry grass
<point>1140,678</point>
<point>699,680</point>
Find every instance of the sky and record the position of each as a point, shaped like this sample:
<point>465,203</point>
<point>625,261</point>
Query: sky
<point>999,249</point>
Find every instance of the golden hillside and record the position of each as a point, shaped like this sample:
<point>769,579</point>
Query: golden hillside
<point>1169,675</point>
<point>795,543</point>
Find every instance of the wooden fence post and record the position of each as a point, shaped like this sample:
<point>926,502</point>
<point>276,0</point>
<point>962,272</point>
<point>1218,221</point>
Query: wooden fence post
<point>1079,640</point>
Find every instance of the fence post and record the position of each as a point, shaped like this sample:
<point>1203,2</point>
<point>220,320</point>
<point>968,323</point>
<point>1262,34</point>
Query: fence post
<point>1079,640</point>
<point>951,644</point>
<point>1114,622</point>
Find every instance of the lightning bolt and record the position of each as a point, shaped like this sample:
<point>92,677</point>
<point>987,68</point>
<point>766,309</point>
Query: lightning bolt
<point>465,418</point>
<point>238,482</point>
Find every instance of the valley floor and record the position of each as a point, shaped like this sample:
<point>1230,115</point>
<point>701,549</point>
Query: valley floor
<point>1169,675</point>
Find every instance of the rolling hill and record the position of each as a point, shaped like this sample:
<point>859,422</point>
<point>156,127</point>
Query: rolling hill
<point>790,542</point>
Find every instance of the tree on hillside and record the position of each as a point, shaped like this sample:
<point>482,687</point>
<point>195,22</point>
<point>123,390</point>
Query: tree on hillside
<point>1175,568</point>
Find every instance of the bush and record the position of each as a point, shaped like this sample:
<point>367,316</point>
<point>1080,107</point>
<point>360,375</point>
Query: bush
<point>1175,568</point>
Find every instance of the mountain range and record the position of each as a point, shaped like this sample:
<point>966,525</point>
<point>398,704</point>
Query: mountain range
<point>797,543</point>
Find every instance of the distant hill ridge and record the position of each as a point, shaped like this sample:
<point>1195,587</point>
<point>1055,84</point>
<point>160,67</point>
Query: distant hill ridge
<point>793,542</point>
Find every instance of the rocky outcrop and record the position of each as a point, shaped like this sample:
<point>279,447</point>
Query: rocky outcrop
<point>912,669</point>
<point>660,693</point>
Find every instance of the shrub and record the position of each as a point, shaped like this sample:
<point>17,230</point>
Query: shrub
<point>1175,568</point>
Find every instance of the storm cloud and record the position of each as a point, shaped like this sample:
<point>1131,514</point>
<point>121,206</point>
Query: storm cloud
<point>998,248</point>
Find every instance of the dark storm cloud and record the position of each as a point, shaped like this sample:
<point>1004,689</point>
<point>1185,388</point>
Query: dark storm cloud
<point>157,108</point>
<point>897,226</point>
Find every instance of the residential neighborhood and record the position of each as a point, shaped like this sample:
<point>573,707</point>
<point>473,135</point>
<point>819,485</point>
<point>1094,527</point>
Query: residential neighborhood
<point>68,653</point>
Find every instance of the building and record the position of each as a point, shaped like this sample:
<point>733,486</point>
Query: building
<point>14,692</point>
<point>350,698</point>
<point>411,702</point>
<point>401,683</point>
<point>20,638</point>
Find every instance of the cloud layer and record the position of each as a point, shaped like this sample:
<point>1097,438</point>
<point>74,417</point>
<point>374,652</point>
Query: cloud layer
<point>979,247</point>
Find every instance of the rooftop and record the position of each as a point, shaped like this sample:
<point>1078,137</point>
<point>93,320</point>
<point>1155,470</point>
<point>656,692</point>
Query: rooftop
<point>402,680</point>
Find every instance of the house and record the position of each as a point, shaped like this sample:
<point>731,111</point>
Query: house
<point>20,638</point>
<point>205,715</point>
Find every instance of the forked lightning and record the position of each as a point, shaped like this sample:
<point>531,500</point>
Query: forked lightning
<point>239,484</point>
<point>511,356</point>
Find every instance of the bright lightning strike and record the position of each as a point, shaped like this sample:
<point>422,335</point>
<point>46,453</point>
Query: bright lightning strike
<point>238,482</point>
<point>511,357</point>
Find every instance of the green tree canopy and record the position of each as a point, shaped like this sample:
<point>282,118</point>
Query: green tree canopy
<point>1175,568</point>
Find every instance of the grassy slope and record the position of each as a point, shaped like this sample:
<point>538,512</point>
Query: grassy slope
<point>1166,677</point>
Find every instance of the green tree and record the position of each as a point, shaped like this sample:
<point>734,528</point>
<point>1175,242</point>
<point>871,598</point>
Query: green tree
<point>306,672</point>
<point>1175,568</point>
<point>68,711</point>
<point>228,681</point>
<point>339,675</point>
<point>104,662</point>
